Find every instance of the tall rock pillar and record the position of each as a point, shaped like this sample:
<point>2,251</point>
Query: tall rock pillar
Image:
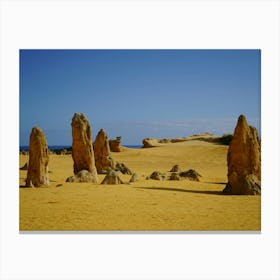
<point>82,151</point>
<point>37,174</point>
<point>244,160</point>
<point>102,155</point>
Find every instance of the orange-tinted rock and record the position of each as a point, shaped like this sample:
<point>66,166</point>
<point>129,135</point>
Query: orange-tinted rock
<point>82,151</point>
<point>103,159</point>
<point>115,144</point>
<point>37,174</point>
<point>244,160</point>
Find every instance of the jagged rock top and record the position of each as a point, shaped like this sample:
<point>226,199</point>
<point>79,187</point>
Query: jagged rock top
<point>82,151</point>
<point>244,160</point>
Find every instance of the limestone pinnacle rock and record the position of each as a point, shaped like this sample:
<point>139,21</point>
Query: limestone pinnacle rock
<point>37,174</point>
<point>244,160</point>
<point>102,155</point>
<point>82,151</point>
<point>115,144</point>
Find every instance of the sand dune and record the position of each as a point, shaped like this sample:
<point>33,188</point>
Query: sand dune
<point>146,204</point>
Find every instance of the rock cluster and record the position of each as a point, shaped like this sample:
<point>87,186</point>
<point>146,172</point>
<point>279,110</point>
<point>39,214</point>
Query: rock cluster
<point>244,160</point>
<point>191,174</point>
<point>37,174</point>
<point>82,151</point>
<point>102,155</point>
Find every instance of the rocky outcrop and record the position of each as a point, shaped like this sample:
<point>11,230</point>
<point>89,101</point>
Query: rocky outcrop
<point>102,155</point>
<point>82,176</point>
<point>115,144</point>
<point>149,143</point>
<point>112,178</point>
<point>244,160</point>
<point>37,174</point>
<point>82,151</point>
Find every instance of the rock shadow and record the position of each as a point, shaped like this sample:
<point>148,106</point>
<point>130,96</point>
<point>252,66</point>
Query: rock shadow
<point>183,190</point>
<point>217,183</point>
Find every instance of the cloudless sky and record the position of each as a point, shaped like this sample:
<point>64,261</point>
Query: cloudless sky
<point>138,93</point>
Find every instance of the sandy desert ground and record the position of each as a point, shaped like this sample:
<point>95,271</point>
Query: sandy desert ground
<point>144,205</point>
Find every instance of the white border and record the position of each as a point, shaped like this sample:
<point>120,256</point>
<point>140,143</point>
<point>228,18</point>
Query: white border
<point>139,24</point>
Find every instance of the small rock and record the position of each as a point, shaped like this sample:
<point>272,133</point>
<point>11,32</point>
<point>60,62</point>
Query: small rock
<point>134,178</point>
<point>175,176</point>
<point>25,167</point>
<point>175,168</point>
<point>123,168</point>
<point>156,175</point>
<point>70,179</point>
<point>82,176</point>
<point>191,174</point>
<point>148,143</point>
<point>112,178</point>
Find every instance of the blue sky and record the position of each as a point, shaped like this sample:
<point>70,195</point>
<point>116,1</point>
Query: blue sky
<point>138,93</point>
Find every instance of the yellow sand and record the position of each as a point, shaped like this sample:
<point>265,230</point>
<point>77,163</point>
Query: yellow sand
<point>146,204</point>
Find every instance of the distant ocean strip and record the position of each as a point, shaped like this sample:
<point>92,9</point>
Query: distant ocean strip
<point>60,147</point>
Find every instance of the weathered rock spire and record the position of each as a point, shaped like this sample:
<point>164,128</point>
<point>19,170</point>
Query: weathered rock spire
<point>82,151</point>
<point>244,160</point>
<point>102,155</point>
<point>37,174</point>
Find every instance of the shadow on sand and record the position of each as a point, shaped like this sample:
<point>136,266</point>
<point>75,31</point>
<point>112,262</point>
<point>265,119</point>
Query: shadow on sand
<point>182,190</point>
<point>217,183</point>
